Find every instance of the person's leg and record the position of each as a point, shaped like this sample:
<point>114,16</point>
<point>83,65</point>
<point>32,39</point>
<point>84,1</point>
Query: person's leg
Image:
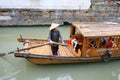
<point>54,50</point>
<point>77,47</point>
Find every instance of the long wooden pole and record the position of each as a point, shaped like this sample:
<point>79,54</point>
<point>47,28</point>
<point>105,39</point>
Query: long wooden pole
<point>38,45</point>
<point>23,49</point>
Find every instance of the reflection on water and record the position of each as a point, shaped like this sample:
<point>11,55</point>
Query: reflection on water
<point>116,74</point>
<point>12,68</point>
<point>61,77</point>
<point>64,77</point>
<point>119,76</point>
<point>46,78</point>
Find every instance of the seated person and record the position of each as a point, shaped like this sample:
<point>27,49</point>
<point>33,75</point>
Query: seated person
<point>109,43</point>
<point>75,44</point>
<point>70,41</point>
<point>103,41</point>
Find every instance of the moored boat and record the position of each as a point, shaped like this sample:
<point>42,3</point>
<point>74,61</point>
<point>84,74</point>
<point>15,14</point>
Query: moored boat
<point>97,41</point>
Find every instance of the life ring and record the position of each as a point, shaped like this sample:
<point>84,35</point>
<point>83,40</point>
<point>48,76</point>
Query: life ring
<point>106,56</point>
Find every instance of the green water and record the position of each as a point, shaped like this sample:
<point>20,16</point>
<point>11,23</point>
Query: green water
<point>12,68</point>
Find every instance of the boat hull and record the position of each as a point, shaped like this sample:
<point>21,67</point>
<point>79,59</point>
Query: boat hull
<point>43,59</point>
<point>54,61</point>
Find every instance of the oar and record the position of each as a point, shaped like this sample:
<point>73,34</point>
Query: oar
<point>38,45</point>
<point>59,43</point>
<point>23,49</point>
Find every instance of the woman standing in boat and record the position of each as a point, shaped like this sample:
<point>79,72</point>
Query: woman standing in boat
<point>54,36</point>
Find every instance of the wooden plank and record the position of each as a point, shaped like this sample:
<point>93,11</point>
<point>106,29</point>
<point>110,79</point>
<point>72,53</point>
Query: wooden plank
<point>98,28</point>
<point>46,50</point>
<point>62,51</point>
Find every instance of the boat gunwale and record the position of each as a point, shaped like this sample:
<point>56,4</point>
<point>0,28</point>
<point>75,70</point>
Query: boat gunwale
<point>30,55</point>
<point>50,57</point>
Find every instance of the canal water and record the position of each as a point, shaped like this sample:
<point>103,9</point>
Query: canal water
<point>12,68</point>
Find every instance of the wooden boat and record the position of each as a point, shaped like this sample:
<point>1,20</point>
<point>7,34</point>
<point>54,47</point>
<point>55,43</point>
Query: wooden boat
<point>98,41</point>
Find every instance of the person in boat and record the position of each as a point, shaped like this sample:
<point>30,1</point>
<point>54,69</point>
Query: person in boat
<point>103,41</point>
<point>109,43</point>
<point>55,36</point>
<point>70,40</point>
<point>75,44</point>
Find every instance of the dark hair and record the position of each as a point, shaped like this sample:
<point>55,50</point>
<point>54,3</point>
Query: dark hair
<point>76,38</point>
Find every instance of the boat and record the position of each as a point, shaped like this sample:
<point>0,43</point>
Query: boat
<point>98,41</point>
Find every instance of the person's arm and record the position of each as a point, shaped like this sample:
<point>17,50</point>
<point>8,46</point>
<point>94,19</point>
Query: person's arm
<point>61,37</point>
<point>49,37</point>
<point>75,42</point>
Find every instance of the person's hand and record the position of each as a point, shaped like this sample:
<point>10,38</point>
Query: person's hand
<point>51,41</point>
<point>63,42</point>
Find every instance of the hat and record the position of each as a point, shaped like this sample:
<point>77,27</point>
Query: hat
<point>54,25</point>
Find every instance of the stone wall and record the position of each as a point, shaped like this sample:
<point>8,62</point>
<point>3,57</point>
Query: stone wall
<point>106,10</point>
<point>99,11</point>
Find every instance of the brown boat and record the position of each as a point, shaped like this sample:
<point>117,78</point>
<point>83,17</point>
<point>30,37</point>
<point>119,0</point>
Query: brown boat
<point>98,41</point>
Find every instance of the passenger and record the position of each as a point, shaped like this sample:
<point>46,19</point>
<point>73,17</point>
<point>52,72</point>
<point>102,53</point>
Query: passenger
<point>75,44</point>
<point>70,41</point>
<point>109,43</point>
<point>55,36</point>
<point>103,41</point>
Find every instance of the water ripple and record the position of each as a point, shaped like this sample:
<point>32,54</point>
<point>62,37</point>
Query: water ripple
<point>65,77</point>
<point>10,75</point>
<point>8,69</point>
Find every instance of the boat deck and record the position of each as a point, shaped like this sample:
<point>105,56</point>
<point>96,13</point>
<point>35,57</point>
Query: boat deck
<point>66,51</point>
